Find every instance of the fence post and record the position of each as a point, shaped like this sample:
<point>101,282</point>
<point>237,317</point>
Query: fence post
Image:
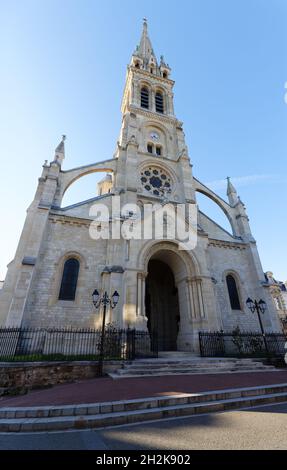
<point>129,348</point>
<point>133,344</point>
<point>200,345</point>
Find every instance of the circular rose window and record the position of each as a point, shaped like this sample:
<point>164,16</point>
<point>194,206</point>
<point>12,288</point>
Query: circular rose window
<point>155,180</point>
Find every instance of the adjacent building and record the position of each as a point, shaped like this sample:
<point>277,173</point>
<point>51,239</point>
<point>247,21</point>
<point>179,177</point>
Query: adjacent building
<point>278,291</point>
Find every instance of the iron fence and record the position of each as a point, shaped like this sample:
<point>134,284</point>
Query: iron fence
<point>245,344</point>
<point>70,344</point>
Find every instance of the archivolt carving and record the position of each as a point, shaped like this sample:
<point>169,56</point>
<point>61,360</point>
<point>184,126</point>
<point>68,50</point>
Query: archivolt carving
<point>151,248</point>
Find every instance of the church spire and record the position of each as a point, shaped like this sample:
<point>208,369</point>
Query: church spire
<point>145,49</point>
<point>144,57</point>
<point>231,193</point>
<point>60,151</point>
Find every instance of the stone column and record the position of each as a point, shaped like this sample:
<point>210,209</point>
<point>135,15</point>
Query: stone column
<point>133,92</point>
<point>139,294</point>
<point>191,304</point>
<point>170,108</point>
<point>196,298</point>
<point>141,317</point>
<point>184,339</point>
<point>152,101</point>
<point>200,298</point>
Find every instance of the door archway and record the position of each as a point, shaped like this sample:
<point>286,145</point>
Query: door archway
<point>185,273</point>
<point>162,305</point>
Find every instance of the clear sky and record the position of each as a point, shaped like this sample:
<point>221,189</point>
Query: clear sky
<point>63,65</point>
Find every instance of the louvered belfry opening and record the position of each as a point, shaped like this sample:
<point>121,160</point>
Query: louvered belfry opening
<point>69,279</point>
<point>158,151</point>
<point>145,98</point>
<point>149,148</point>
<point>159,102</point>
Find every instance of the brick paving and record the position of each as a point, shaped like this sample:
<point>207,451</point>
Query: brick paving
<point>107,389</point>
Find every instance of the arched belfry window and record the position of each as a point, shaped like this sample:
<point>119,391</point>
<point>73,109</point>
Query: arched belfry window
<point>69,279</point>
<point>233,292</point>
<point>145,98</point>
<point>159,102</point>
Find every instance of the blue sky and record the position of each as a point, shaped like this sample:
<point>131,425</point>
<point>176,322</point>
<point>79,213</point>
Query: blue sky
<point>63,66</point>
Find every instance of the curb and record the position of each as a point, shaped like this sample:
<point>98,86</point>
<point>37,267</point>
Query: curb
<point>99,415</point>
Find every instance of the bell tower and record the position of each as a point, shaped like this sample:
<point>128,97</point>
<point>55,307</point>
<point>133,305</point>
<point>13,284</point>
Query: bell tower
<point>145,70</point>
<point>150,131</point>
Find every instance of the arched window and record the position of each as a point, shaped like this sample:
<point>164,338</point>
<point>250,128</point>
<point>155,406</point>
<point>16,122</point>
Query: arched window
<point>69,279</point>
<point>159,102</point>
<point>233,292</point>
<point>158,150</point>
<point>150,148</point>
<point>145,98</point>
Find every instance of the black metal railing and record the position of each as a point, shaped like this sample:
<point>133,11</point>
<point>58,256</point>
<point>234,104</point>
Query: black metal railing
<point>245,344</point>
<point>70,344</point>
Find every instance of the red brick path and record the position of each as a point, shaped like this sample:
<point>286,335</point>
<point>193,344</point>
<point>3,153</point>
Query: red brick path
<point>107,389</point>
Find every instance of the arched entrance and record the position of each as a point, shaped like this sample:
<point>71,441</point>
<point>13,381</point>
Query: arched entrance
<point>161,304</point>
<point>167,270</point>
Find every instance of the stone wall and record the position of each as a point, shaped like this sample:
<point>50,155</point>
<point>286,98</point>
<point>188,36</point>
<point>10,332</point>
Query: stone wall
<point>19,378</point>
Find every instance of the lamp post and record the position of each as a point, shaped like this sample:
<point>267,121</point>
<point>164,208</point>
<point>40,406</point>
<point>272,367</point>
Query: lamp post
<point>98,301</point>
<point>258,307</point>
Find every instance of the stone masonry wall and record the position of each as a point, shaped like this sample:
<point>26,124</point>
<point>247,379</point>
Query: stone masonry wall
<point>19,378</point>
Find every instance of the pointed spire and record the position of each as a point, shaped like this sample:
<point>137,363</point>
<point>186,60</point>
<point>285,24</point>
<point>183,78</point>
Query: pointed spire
<point>145,49</point>
<point>144,57</point>
<point>162,61</point>
<point>231,193</point>
<point>60,151</point>
<point>230,187</point>
<point>61,146</point>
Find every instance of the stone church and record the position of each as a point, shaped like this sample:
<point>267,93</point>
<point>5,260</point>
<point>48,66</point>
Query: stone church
<point>176,293</point>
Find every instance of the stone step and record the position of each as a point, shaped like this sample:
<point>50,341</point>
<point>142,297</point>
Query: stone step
<point>191,369</point>
<point>130,411</point>
<point>199,363</point>
<point>116,376</point>
<point>191,357</point>
<point>191,365</point>
<point>194,366</point>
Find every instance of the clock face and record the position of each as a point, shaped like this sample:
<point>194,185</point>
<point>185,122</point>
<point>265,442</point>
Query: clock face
<point>154,136</point>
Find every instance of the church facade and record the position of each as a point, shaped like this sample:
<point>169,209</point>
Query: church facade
<point>175,292</point>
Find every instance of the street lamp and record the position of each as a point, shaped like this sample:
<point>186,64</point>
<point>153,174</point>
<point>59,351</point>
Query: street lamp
<point>258,307</point>
<point>98,301</point>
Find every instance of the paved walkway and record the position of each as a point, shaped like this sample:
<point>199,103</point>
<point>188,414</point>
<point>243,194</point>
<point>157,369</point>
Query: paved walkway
<point>107,389</point>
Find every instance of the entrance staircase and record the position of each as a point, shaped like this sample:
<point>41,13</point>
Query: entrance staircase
<point>180,363</point>
<point>102,415</point>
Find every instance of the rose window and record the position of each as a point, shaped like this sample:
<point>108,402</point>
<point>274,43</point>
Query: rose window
<point>156,181</point>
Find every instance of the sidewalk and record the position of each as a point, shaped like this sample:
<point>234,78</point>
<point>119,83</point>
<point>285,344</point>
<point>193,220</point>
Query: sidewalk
<point>106,389</point>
